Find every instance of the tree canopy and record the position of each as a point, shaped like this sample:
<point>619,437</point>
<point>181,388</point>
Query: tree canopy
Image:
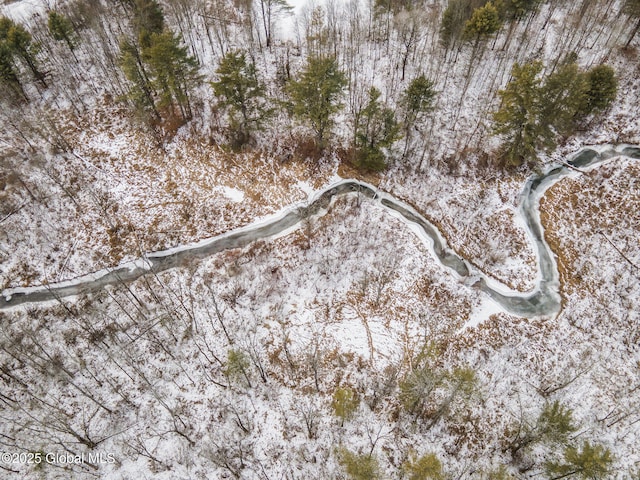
<point>359,467</point>
<point>376,129</point>
<point>239,90</point>
<point>17,42</point>
<point>61,29</point>
<point>536,109</point>
<point>316,95</point>
<point>484,21</point>
<point>592,462</point>
<point>517,118</point>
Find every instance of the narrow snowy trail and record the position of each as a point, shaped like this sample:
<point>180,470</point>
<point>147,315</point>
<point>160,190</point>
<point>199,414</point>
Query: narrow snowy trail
<point>544,299</point>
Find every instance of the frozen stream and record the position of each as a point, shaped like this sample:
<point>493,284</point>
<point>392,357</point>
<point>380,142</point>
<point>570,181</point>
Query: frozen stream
<point>544,299</point>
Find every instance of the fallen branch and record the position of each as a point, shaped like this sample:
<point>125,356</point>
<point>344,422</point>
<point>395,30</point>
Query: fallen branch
<point>618,250</point>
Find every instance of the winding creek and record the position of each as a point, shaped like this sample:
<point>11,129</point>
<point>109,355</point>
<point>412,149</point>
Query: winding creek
<point>544,299</point>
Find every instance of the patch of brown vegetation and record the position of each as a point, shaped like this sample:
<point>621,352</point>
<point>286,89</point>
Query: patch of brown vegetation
<point>347,169</point>
<point>174,192</point>
<point>495,332</point>
<point>447,302</point>
<point>578,212</point>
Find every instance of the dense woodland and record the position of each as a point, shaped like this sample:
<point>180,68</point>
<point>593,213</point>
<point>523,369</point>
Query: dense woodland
<point>233,367</point>
<point>381,69</point>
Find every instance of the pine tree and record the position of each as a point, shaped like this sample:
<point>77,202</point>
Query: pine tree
<point>173,72</point>
<point>416,387</point>
<point>534,112</point>
<point>518,9</point>
<point>427,467</point>
<point>237,366</point>
<point>141,92</point>
<point>8,74</point>
<point>61,29</point>
<point>393,6</point>
<point>316,95</point>
<point>239,90</point>
<point>602,87</point>
<point>416,101</point>
<point>161,72</point>
<point>553,426</point>
<point>454,19</point>
<point>563,96</point>
<point>421,381</point>
<point>517,120</point>
<point>555,423</point>
<point>500,473</point>
<point>376,129</point>
<point>359,467</point>
<point>483,22</point>
<point>19,42</point>
<point>148,19</point>
<point>316,32</point>
<point>460,384</point>
<point>591,462</point>
<point>345,403</point>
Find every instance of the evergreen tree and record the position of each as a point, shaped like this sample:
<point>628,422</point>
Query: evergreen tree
<point>161,73</point>
<point>61,29</point>
<point>8,74</point>
<point>316,32</point>
<point>141,92</point>
<point>553,426</point>
<point>454,19</point>
<point>460,384</point>
<point>18,42</point>
<point>173,72</point>
<point>563,96</point>
<point>416,387</point>
<point>427,467</point>
<point>483,22</point>
<point>376,129</point>
<point>359,467</point>
<point>518,9</point>
<point>316,95</point>
<point>602,87</point>
<point>421,381</point>
<point>237,366</point>
<point>500,473</point>
<point>148,19</point>
<point>6,24</point>
<point>345,403</point>
<point>239,90</point>
<point>416,101</point>
<point>517,120</point>
<point>533,112</point>
<point>393,6</point>
<point>592,462</point>
<point>555,423</point>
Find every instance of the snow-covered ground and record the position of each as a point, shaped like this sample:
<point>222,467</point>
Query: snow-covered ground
<point>227,368</point>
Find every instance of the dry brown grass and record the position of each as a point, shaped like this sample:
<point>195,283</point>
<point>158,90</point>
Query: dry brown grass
<point>347,170</point>
<point>576,212</point>
<point>174,195</point>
